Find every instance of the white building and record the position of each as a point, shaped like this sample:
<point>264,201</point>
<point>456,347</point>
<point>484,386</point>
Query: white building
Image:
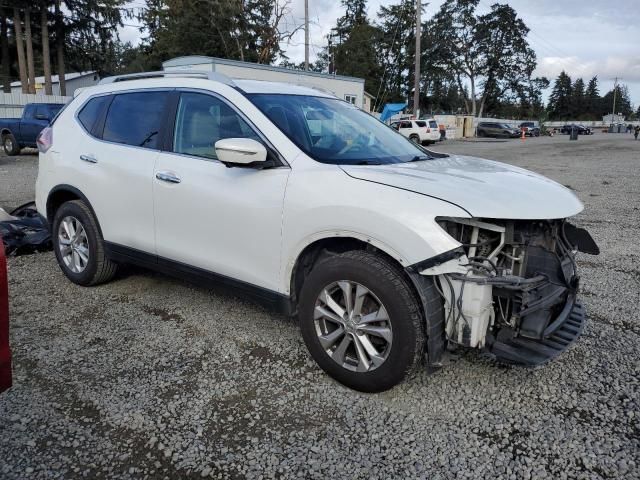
<point>73,81</point>
<point>350,89</point>
<point>613,119</point>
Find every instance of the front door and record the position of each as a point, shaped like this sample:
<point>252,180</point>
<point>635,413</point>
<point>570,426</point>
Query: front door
<point>210,216</point>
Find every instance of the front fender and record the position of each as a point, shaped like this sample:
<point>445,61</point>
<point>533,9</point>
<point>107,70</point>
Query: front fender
<point>324,202</point>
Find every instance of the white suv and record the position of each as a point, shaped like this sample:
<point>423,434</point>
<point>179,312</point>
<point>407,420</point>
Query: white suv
<point>423,132</point>
<point>386,252</point>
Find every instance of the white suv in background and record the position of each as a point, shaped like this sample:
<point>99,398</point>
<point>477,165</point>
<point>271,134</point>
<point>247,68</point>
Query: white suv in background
<point>383,250</point>
<point>423,132</point>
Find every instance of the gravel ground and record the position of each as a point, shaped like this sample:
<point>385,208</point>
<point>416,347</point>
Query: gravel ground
<point>149,377</point>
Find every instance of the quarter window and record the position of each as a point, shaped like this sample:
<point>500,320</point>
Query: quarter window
<point>202,120</point>
<point>90,113</point>
<point>135,119</point>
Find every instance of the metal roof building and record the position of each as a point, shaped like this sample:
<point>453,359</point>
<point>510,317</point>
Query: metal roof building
<point>350,89</point>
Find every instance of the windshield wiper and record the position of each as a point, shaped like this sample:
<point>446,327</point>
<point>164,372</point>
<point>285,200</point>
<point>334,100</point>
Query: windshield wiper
<point>367,162</point>
<point>419,158</point>
<point>148,138</point>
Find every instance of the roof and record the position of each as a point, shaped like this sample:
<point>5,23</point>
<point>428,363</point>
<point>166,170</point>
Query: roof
<point>367,94</point>
<point>262,86</point>
<point>203,60</point>
<point>54,78</point>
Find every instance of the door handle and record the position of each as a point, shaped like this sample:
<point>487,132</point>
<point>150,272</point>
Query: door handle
<point>88,158</point>
<point>168,177</point>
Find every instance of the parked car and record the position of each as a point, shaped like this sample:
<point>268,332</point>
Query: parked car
<point>419,131</point>
<point>530,129</point>
<point>497,130</point>
<point>384,251</point>
<point>5,351</point>
<point>18,133</point>
<point>582,130</point>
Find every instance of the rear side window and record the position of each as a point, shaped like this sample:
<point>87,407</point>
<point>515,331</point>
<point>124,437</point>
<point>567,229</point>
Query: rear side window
<point>421,124</point>
<point>90,113</point>
<point>135,119</point>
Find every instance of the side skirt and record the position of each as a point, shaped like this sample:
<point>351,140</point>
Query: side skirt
<point>267,298</point>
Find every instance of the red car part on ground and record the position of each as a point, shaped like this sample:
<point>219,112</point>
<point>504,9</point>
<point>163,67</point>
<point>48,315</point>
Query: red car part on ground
<point>5,352</point>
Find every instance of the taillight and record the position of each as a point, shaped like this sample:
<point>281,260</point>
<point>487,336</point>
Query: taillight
<point>428,130</point>
<point>45,139</point>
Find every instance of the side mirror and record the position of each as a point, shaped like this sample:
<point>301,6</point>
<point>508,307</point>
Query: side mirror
<point>240,151</point>
<point>41,116</point>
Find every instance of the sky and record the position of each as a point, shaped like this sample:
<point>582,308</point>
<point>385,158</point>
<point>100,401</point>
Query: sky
<point>582,37</point>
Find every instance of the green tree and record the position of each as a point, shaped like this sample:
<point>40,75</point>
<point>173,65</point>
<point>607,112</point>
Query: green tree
<point>356,53</point>
<point>623,101</point>
<point>559,107</point>
<point>577,107</point>
<point>397,51</point>
<point>592,99</point>
<point>489,51</point>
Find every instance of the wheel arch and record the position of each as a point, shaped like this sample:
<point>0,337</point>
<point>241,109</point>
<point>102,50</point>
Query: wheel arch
<point>319,245</point>
<point>4,132</point>
<point>65,193</point>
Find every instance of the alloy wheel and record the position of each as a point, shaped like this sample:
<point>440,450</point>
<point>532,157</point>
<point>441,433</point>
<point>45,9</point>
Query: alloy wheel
<point>73,244</point>
<point>353,326</point>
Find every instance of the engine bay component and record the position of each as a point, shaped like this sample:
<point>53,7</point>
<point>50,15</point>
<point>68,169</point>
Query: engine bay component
<point>514,286</point>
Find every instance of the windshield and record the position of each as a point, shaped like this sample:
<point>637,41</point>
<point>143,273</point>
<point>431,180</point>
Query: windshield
<point>332,131</point>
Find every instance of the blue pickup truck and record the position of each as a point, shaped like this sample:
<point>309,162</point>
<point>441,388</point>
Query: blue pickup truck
<point>17,133</point>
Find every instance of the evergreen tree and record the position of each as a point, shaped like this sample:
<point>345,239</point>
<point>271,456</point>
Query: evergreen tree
<point>577,109</point>
<point>592,100</point>
<point>560,99</point>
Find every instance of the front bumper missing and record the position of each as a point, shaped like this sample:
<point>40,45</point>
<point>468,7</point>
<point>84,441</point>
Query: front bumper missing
<point>559,336</point>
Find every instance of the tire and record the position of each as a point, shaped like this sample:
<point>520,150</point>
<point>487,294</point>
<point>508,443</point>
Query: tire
<point>386,285</point>
<point>10,145</point>
<point>415,139</point>
<point>481,133</point>
<point>88,264</point>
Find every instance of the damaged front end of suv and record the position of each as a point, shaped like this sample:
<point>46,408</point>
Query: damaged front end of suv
<point>511,287</point>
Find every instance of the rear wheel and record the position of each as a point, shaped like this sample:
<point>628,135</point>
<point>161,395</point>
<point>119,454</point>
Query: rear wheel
<point>10,145</point>
<point>79,246</point>
<point>415,139</point>
<point>361,321</point>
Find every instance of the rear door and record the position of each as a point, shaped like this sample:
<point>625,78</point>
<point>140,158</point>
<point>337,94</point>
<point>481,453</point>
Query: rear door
<point>116,162</point>
<point>209,216</point>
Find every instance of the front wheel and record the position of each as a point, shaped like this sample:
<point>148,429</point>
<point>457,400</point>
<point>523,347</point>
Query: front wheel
<point>361,321</point>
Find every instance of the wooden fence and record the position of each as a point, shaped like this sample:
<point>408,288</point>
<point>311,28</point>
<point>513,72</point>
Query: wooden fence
<point>11,104</point>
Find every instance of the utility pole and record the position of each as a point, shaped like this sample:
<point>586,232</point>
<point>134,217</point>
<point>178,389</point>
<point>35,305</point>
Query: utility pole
<point>615,93</point>
<point>306,34</point>
<point>416,74</point>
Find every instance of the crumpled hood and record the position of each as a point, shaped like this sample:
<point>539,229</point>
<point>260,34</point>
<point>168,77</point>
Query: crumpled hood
<point>484,188</point>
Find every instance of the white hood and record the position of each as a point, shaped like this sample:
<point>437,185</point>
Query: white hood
<point>483,188</point>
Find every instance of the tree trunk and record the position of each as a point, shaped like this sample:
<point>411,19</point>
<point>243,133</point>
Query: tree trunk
<point>60,48</point>
<point>30,65</point>
<point>472,81</point>
<point>482,102</point>
<point>4,50</point>
<point>46,54</point>
<point>461,89</point>
<point>22,66</point>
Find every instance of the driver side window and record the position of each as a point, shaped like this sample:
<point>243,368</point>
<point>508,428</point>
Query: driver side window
<point>202,120</point>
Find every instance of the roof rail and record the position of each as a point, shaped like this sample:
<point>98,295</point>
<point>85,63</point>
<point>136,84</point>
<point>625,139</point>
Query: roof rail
<point>214,76</point>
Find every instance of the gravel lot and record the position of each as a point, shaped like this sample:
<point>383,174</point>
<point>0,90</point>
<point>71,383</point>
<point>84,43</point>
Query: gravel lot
<point>150,377</point>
